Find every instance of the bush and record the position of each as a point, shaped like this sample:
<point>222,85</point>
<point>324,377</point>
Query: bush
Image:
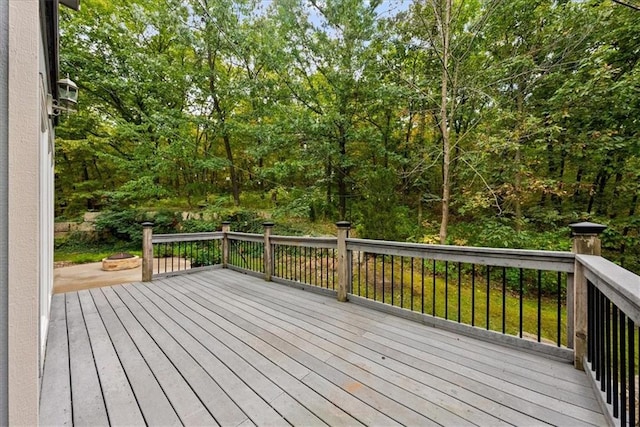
<point>243,220</point>
<point>125,225</point>
<point>379,215</point>
<point>199,226</point>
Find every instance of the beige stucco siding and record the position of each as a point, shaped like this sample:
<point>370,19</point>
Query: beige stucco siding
<point>24,202</point>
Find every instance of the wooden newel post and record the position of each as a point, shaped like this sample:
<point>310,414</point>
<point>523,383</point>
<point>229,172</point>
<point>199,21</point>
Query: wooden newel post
<point>147,251</point>
<point>226,228</point>
<point>343,261</point>
<point>586,241</point>
<point>268,256</point>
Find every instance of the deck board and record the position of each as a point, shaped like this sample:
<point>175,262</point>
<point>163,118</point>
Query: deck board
<point>87,399</point>
<point>497,367</point>
<point>494,390</point>
<point>55,410</point>
<point>119,399</point>
<point>220,347</point>
<point>151,373</point>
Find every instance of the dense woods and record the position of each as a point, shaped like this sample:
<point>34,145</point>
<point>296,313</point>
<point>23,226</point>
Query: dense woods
<point>486,122</point>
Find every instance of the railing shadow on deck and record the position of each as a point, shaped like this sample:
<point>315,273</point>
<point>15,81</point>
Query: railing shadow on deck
<point>575,306</point>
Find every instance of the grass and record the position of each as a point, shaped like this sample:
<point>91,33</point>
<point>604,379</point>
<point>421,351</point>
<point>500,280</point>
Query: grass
<point>442,296</point>
<point>82,253</point>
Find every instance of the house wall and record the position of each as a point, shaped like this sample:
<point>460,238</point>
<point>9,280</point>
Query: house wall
<point>4,212</point>
<point>45,200</point>
<point>24,191</point>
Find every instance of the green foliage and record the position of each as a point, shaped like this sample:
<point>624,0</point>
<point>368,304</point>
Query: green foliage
<point>496,233</point>
<point>204,258</point>
<point>199,226</point>
<point>334,110</point>
<point>380,216</point>
<point>243,220</point>
<point>125,225</point>
<point>80,248</point>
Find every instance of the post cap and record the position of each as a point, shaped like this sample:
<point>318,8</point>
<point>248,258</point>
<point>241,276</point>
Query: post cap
<point>343,224</point>
<point>147,224</point>
<point>586,228</point>
<point>226,222</point>
<point>268,224</point>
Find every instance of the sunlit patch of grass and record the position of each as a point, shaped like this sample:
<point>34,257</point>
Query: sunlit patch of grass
<point>464,300</point>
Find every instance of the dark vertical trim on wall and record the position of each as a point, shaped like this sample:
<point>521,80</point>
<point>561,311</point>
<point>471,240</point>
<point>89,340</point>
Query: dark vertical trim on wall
<point>4,212</point>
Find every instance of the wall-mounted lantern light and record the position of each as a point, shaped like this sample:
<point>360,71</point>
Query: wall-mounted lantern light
<point>68,92</point>
<point>67,97</point>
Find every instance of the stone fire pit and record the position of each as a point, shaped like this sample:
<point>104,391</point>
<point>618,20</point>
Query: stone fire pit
<point>121,261</point>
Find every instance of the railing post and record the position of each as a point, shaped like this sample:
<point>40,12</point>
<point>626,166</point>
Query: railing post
<point>343,264</point>
<point>267,256</point>
<point>226,228</point>
<point>586,241</point>
<point>147,251</point>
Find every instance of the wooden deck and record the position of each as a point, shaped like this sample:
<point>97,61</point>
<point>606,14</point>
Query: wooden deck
<point>221,347</point>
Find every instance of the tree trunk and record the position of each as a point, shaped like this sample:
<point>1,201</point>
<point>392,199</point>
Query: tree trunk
<point>342,176</point>
<point>235,187</point>
<point>518,189</point>
<point>625,231</point>
<point>444,125</point>
<point>328,172</point>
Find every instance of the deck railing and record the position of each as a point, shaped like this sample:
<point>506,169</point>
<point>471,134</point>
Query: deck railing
<point>613,305</point>
<point>572,305</point>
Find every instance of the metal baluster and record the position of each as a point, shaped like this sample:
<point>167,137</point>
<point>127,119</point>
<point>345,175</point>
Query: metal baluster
<point>359,271</point>
<point>401,282</point>
<point>632,371</point>
<point>590,326</point>
<point>473,295</point>
<point>614,327</point>
<point>446,290</point>
<point>321,267</point>
<point>333,268</point>
<point>392,279</point>
<point>433,301</point>
<point>459,287</point>
<point>422,288</point>
<point>607,347</point>
<point>412,262</point>
<point>366,276</point>
<point>300,264</point>
<point>623,370</point>
<point>539,301</point>
<point>488,294</point>
<point>559,316</point>
<point>521,289</point>
<point>375,276</point>
<point>597,347</point>
<point>504,298</point>
<point>383,280</point>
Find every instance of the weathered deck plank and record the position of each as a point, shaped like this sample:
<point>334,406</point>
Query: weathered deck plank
<point>87,400</point>
<point>55,410</point>
<point>150,397</point>
<point>436,405</point>
<point>494,390</point>
<point>499,367</point>
<point>224,348</point>
<point>268,390</point>
<point>214,397</point>
<point>273,363</point>
<point>118,397</point>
